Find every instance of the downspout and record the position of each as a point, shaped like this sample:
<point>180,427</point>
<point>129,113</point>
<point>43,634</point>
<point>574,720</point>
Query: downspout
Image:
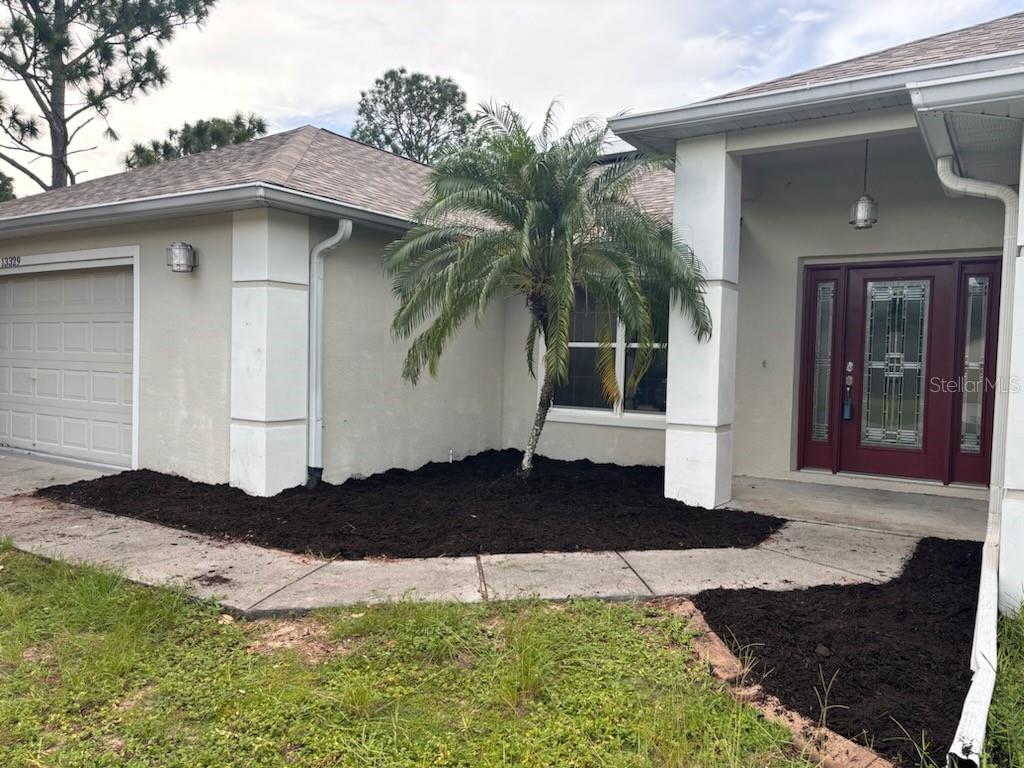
<point>315,436</point>
<point>970,733</point>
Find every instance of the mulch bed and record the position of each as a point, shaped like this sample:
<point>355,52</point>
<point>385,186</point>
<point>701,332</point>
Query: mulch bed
<point>899,651</point>
<point>477,505</point>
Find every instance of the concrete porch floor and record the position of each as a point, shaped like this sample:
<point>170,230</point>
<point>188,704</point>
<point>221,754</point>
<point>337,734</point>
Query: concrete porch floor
<point>907,514</point>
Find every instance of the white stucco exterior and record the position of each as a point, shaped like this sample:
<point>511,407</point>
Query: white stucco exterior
<point>183,377</point>
<point>701,375</point>
<point>374,421</point>
<point>269,337</point>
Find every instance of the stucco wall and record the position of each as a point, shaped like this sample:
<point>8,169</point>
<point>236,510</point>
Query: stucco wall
<point>373,420</point>
<point>185,339</point>
<point>559,440</point>
<point>795,210</point>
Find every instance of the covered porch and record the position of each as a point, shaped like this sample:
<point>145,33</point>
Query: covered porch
<point>850,361</point>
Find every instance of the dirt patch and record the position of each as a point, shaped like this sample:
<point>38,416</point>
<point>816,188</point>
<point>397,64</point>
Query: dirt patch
<point>477,505</point>
<point>307,637</point>
<point>135,698</point>
<point>35,654</point>
<point>897,653</point>
<point>212,579</point>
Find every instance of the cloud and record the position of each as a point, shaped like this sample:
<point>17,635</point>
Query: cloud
<point>299,61</point>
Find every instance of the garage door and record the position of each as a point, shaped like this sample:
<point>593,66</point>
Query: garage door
<point>66,364</point>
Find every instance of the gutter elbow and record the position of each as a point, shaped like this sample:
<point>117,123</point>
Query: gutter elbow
<point>972,187</point>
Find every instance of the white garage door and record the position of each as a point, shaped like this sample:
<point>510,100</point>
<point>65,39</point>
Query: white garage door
<point>66,364</point>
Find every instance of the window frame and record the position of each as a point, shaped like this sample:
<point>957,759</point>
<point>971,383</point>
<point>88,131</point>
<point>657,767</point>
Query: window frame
<point>612,416</point>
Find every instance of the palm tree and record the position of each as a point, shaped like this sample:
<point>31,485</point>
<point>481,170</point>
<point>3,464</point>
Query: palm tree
<point>540,217</point>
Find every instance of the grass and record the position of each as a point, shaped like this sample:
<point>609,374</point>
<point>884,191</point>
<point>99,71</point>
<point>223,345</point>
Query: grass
<point>1006,717</point>
<point>95,671</point>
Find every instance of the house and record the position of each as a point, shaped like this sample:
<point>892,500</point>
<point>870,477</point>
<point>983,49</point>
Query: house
<point>889,355</point>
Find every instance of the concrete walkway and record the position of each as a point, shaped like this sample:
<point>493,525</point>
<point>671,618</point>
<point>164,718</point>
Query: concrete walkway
<point>256,581</point>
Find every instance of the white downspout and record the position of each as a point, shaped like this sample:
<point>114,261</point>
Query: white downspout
<point>970,733</point>
<point>315,466</point>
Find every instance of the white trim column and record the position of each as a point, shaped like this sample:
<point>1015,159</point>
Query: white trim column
<point>702,376</point>
<point>1011,540</point>
<point>269,338</point>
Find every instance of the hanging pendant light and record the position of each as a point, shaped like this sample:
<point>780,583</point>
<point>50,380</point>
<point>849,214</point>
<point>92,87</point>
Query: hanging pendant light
<point>864,212</point>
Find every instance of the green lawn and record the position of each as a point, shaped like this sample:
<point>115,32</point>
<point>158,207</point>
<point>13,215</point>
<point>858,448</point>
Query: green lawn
<point>95,671</point>
<point>1006,718</point>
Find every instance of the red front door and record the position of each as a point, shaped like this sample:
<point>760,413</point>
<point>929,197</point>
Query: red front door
<point>897,363</point>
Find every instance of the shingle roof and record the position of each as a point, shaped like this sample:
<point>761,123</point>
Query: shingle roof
<point>991,37</point>
<point>308,159</point>
<point>656,193</point>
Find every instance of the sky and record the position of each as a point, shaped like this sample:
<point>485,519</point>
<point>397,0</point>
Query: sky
<point>306,61</point>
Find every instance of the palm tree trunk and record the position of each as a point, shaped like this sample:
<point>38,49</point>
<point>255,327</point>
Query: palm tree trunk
<point>547,392</point>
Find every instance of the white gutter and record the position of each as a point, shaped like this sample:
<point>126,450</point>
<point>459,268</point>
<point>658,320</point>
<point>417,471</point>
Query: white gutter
<point>970,733</point>
<point>733,113</point>
<point>212,200</point>
<point>315,468</point>
<point>967,91</point>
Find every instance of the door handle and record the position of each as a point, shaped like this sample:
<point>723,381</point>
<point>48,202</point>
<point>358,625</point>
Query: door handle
<point>848,392</point>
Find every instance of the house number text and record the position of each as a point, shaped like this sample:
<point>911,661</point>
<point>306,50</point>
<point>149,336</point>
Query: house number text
<point>6,262</point>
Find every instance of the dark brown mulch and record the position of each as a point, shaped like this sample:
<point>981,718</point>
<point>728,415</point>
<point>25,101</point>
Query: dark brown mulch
<point>473,506</point>
<point>899,651</point>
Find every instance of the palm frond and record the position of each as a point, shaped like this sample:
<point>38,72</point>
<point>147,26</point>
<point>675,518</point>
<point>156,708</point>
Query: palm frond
<point>543,217</point>
<point>606,367</point>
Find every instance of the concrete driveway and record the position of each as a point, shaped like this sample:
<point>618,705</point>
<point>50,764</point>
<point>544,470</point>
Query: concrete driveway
<point>24,474</point>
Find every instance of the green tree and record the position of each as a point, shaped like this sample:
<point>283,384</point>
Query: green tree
<point>74,59</point>
<point>539,217</point>
<point>414,115</point>
<point>6,188</point>
<point>200,136</point>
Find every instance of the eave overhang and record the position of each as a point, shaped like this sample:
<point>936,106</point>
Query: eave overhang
<point>975,119</point>
<point>659,131</point>
<point>199,202</point>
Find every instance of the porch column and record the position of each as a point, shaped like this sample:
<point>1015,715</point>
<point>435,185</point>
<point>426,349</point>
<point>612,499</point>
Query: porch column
<point>269,338</point>
<point>701,376</point>
<point>1011,549</point>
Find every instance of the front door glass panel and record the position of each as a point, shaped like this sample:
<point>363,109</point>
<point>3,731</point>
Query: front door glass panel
<point>973,376</point>
<point>895,351</point>
<point>822,385</point>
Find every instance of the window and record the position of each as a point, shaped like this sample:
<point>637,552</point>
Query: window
<point>593,322</point>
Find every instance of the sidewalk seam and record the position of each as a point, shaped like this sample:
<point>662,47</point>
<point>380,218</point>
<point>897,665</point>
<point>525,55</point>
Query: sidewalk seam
<point>289,584</point>
<point>865,528</point>
<point>483,580</point>
<point>635,573</point>
<point>871,579</point>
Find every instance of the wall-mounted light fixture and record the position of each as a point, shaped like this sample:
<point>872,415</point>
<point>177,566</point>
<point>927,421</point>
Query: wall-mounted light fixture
<point>864,212</point>
<point>181,257</point>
